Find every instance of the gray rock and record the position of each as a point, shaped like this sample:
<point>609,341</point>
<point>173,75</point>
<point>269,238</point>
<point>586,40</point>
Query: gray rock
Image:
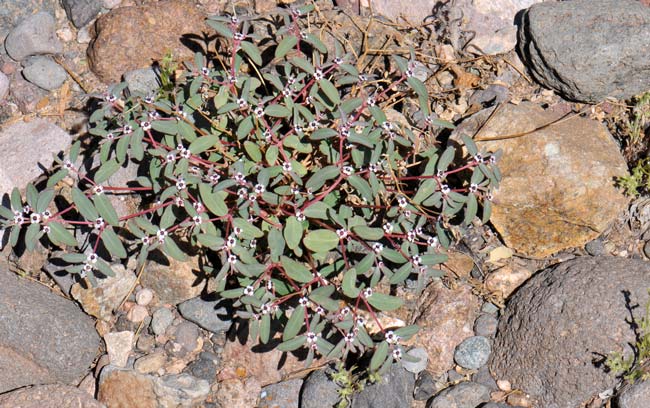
<point>44,338</point>
<point>495,405</point>
<point>421,364</point>
<point>161,320</point>
<point>485,325</point>
<point>473,352</point>
<point>395,390</point>
<point>44,72</point>
<point>284,394</point>
<point>33,36</point>
<point>81,12</point>
<point>595,247</point>
<point>483,376</point>
<point>52,395</point>
<point>4,86</point>
<point>181,390</point>
<point>637,395</point>
<point>588,49</point>
<point>492,95</point>
<point>490,308</point>
<point>15,11</point>
<point>143,81</point>
<point>203,368</point>
<point>463,395</point>
<point>319,391</point>
<point>187,335</point>
<point>561,320</point>
<point>425,386</point>
<point>454,376</point>
<point>206,314</point>
<point>25,94</point>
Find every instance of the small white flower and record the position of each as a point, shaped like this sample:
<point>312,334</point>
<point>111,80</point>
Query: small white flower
<point>232,79</point>
<point>286,167</point>
<point>237,231</point>
<point>239,36</point>
<point>161,234</point>
<point>287,92</point>
<point>46,229</point>
<point>253,243</point>
<point>409,73</point>
<point>205,70</point>
<point>146,125</point>
<point>232,259</point>
<point>303,35</point>
<point>492,159</point>
<point>68,165</point>
<point>318,74</point>
<point>110,136</point>
<point>178,201</point>
<point>444,189</point>
<point>378,247</point>
<point>345,311</point>
<point>311,337</point>
<point>407,213</point>
<point>418,231</point>
<point>291,80</point>
<point>35,218</point>
<point>391,337</point>
<point>234,20</point>
<point>338,61</point>
<point>91,258</point>
<point>373,168</point>
<point>98,189</point>
<point>239,177</point>
<point>295,190</point>
<point>87,268</point>
<point>410,236</point>
<point>303,301</point>
<point>148,99</point>
<point>344,131</point>
<point>363,78</point>
<point>242,193</point>
<point>367,292</point>
<point>416,260</point>
<point>231,242</point>
<point>197,220</point>
<point>153,114</point>
<point>297,128</point>
<point>99,223</point>
<point>170,158</point>
<point>198,206</point>
<point>181,184</point>
<point>342,233</point>
<point>473,188</point>
<point>259,188</point>
<point>110,97</point>
<point>267,135</point>
<point>489,196</point>
<point>242,103</point>
<point>185,153</point>
<point>313,125</point>
<point>259,111</point>
<point>249,290</point>
<point>127,129</point>
<point>387,125</point>
<point>402,201</point>
<point>252,198</point>
<point>300,216</point>
<point>145,240</point>
<point>269,285</point>
<point>360,320</point>
<point>432,241</point>
<point>320,310</point>
<point>214,178</point>
<point>397,354</point>
<point>265,309</point>
<point>478,157</point>
<point>349,337</point>
<point>347,170</point>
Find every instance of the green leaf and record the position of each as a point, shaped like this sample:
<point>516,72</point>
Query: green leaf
<point>44,199</point>
<point>349,283</point>
<point>104,268</point>
<point>106,170</point>
<point>471,209</point>
<point>487,211</point>
<point>317,210</point>
<point>113,244</point>
<point>433,259</point>
<point>245,127</point>
<point>16,200</point>
<point>84,205</point>
<point>220,28</point>
<point>330,91</point>
<point>322,296</point>
<point>318,44</point>
<point>303,64</point>
<point>379,356</point>
<point>171,249</point>
<point>323,133</point>
<point>401,274</point>
<point>106,210</point>
<point>362,187</point>
<point>319,178</point>
<point>265,328</point>
<point>249,231</point>
<point>407,332</point>
<point>393,256</point>
<point>321,240</point>
<point>293,344</point>
<point>6,213</point>
<point>60,236</point>
<point>31,236</point>
<point>446,159</point>
<point>418,86</point>
<point>276,244</point>
<point>56,177</point>
<point>426,189</point>
<point>277,111</point>
<point>213,201</point>
<point>252,51</point>
<point>210,241</point>
<point>469,144</point>
<point>294,324</point>
<point>384,302</point>
<point>365,232</point>
<point>253,151</point>
<point>203,143</point>
<point>285,46</point>
<point>296,270</point>
<point>293,232</point>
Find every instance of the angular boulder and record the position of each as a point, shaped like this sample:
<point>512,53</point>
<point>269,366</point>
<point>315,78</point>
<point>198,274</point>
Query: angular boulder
<point>557,330</point>
<point>588,49</point>
<point>558,189</point>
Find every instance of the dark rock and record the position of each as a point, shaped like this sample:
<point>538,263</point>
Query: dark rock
<point>44,338</point>
<point>203,368</point>
<point>49,396</point>
<point>588,49</point>
<point>42,71</point>
<point>485,325</point>
<point>425,386</point>
<point>395,390</point>
<point>284,394</point>
<point>556,328</point>
<point>595,247</point>
<point>81,12</point>
<point>463,395</point>
<point>492,95</point>
<point>187,335</point>
<point>483,376</point>
<point>210,315</point>
<point>637,395</point>
<point>473,352</point>
<point>33,36</point>
<point>319,391</point>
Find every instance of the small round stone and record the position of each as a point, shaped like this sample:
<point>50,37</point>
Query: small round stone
<point>485,325</point>
<point>137,313</point>
<point>490,308</point>
<point>415,367</point>
<point>161,320</point>
<point>187,335</point>
<point>473,352</point>
<point>646,249</point>
<point>144,296</point>
<point>425,386</point>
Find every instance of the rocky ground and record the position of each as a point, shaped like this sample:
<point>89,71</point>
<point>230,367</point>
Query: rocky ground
<point>530,305</point>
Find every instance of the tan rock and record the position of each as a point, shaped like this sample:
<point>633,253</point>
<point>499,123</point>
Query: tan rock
<point>150,363</point>
<point>88,385</point>
<point>458,264</point>
<point>173,281</point>
<point>239,393</point>
<point>506,279</point>
<point>446,320</point>
<point>118,347</point>
<point>137,314</point>
<point>133,37</point>
<point>101,300</point>
<point>123,389</point>
<point>519,399</point>
<point>558,181</point>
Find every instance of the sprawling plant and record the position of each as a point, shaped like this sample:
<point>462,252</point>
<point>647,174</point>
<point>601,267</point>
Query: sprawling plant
<point>280,169</point>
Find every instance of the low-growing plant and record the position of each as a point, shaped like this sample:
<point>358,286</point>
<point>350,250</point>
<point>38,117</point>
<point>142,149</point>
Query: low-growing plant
<point>638,181</point>
<point>635,366</point>
<point>277,166</point>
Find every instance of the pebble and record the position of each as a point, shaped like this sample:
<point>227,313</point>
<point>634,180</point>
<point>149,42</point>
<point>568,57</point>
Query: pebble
<point>145,343</point>
<point>463,395</point>
<point>144,296</point>
<point>486,325</point>
<point>150,363</point>
<point>483,376</point>
<point>415,367</point>
<point>143,81</point>
<point>137,314</point>
<point>425,386</point>
<point>518,399</point>
<point>473,352</point>
<point>207,314</point>
<point>4,86</point>
<point>33,36</point>
<point>83,35</point>
<point>118,346</point>
<point>187,335</point>
<point>203,368</point>
<point>111,4</point>
<point>319,391</point>
<point>81,12</point>
<point>284,394</point>
<point>504,385</point>
<point>65,34</point>
<point>490,308</point>
<point>595,247</point>
<point>181,390</point>
<point>161,320</point>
